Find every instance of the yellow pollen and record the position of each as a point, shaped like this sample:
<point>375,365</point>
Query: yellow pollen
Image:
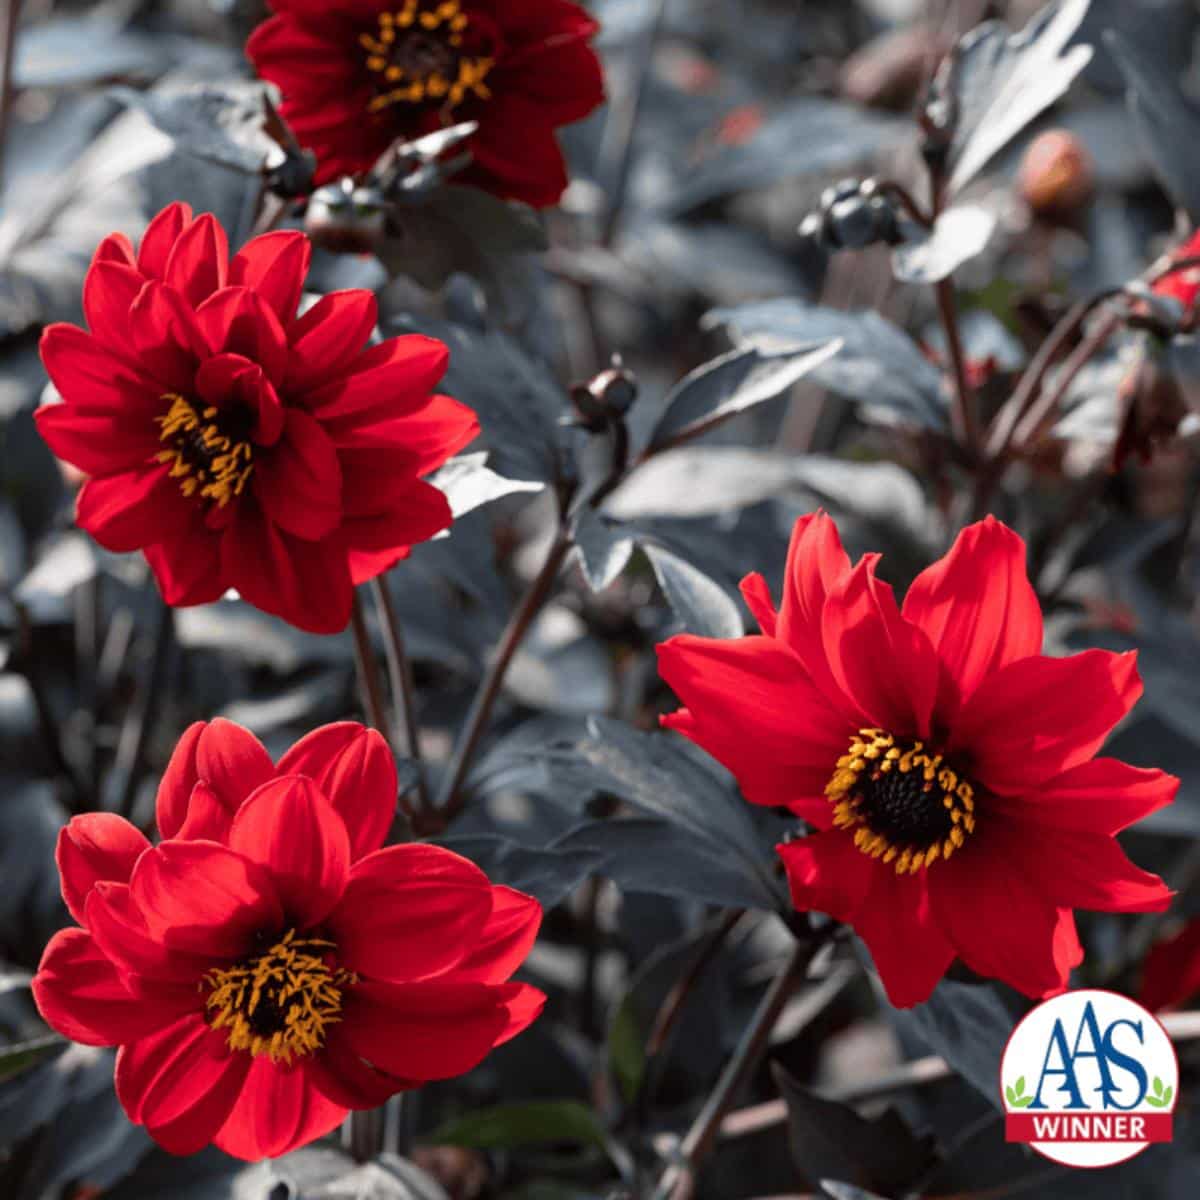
<point>905,803</point>
<point>280,1003</point>
<point>207,462</point>
<point>421,63</point>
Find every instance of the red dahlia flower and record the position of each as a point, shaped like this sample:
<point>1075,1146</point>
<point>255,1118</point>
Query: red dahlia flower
<point>356,75</point>
<point>946,765</point>
<point>1172,971</point>
<point>263,983</point>
<point>238,445</point>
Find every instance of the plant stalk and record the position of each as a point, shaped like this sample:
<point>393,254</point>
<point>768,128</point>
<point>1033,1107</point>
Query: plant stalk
<point>449,801</point>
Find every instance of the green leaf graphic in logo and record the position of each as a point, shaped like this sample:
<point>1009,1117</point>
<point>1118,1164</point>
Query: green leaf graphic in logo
<point>1014,1094</point>
<point>1162,1095</point>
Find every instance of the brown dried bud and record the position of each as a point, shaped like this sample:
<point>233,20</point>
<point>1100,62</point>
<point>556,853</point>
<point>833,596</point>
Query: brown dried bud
<point>1056,176</point>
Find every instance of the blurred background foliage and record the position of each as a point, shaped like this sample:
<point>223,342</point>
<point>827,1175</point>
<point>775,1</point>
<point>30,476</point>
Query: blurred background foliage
<point>676,245</point>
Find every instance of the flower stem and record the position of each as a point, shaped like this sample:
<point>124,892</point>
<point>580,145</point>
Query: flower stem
<point>1043,409</point>
<point>449,802</point>
<point>401,679</point>
<point>8,92</point>
<point>676,1182</point>
<point>371,686</point>
<point>672,1009</point>
<point>964,417</point>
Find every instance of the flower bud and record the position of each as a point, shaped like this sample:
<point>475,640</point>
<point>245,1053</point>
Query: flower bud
<point>608,394</point>
<point>1056,175</point>
<point>345,218</point>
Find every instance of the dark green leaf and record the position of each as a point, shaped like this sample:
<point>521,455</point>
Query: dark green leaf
<point>733,383</point>
<point>651,855</point>
<point>830,1140</point>
<point>703,606</point>
<point>968,1025</point>
<point>996,82</point>
<point>550,874</point>
<point>511,1125</point>
<point>23,1055</point>
<point>958,235</point>
<point>878,365</point>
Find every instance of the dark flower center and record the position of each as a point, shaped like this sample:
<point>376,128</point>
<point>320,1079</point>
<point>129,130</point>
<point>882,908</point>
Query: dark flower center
<point>905,804</point>
<point>278,1003</point>
<point>209,449</point>
<point>427,55</point>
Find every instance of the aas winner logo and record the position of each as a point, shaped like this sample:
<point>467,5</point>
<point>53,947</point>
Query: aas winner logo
<point>1089,1079</point>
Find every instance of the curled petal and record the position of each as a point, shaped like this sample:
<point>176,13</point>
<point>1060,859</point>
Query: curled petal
<point>355,769</point>
<point>94,847</point>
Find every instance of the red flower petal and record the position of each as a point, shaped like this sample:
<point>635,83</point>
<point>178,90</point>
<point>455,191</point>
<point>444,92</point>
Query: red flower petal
<point>816,563</point>
<point>189,571</point>
<point>89,376</point>
<point>239,321</point>
<point>291,829</point>
<point>96,440</point>
<point>166,338</point>
<point>109,290</point>
<point>160,236</point>
<point>1089,870</point>
<point>506,939</point>
<point>977,605</point>
<point>80,994</point>
<point>758,599</point>
<point>181,1083</point>
<point>420,512</point>
<point>1103,795</point>
<point>523,1005</point>
<point>395,376</point>
<point>410,912</point>
<point>1025,723</point>
<point>232,381</point>
<point>208,818</point>
<point>827,873</point>
<point>306,583</point>
<point>279,1109</point>
<point>274,265</point>
<point>354,768</point>
<point>299,483</point>
<point>92,847</point>
<point>884,666</point>
<point>148,967</point>
<point>329,337</point>
<point>421,440</point>
<point>1001,925</point>
<point>1172,970</point>
<point>228,758</point>
<point>516,154</point>
<point>342,1076</point>
<point>751,705</point>
<point>563,78</point>
<point>423,1031</point>
<point>203,898</point>
<point>134,509</point>
<point>197,264</point>
<point>909,949</point>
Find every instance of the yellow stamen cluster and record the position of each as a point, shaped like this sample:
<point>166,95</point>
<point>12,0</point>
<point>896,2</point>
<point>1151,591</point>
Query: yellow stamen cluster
<point>905,804</point>
<point>280,1003</point>
<point>207,462</point>
<point>397,53</point>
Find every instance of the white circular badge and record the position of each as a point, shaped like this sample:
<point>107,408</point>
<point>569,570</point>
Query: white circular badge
<point>1089,1079</point>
